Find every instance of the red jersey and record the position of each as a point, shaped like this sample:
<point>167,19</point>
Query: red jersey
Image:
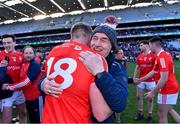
<point>30,89</point>
<point>146,64</point>
<point>14,65</point>
<point>31,92</point>
<point>73,105</point>
<point>164,63</point>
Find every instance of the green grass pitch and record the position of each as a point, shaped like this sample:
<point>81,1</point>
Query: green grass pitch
<point>131,109</point>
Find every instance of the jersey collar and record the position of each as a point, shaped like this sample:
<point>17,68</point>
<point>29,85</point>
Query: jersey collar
<point>7,51</point>
<point>149,51</point>
<point>160,52</point>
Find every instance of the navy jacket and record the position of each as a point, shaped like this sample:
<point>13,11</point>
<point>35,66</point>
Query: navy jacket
<point>4,78</point>
<point>34,70</point>
<point>113,86</point>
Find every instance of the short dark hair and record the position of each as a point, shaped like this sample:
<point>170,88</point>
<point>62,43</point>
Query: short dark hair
<point>144,42</point>
<point>38,50</point>
<point>87,29</point>
<point>117,50</point>
<point>9,35</point>
<point>156,39</point>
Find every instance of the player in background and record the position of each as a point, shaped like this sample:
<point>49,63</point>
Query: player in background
<point>167,85</point>
<point>120,57</point>
<point>144,64</point>
<point>13,70</point>
<point>39,56</point>
<point>29,76</point>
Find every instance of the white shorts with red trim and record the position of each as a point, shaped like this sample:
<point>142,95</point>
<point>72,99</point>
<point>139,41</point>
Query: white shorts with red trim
<point>169,99</point>
<point>147,85</point>
<point>17,98</point>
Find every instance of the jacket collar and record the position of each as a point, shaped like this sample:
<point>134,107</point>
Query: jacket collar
<point>110,58</point>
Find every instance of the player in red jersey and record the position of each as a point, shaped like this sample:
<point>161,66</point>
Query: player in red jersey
<point>167,85</point>
<point>13,70</point>
<point>144,64</point>
<point>73,104</point>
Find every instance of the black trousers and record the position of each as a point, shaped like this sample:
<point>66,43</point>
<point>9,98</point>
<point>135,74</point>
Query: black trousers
<point>34,109</point>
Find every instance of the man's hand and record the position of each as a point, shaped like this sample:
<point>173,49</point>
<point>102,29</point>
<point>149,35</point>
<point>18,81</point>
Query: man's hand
<point>4,87</point>
<point>149,96</point>
<point>4,63</point>
<point>92,61</point>
<point>50,87</point>
<point>136,81</point>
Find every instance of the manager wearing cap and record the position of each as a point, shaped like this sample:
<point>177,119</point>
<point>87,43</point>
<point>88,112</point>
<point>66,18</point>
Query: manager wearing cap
<point>110,88</point>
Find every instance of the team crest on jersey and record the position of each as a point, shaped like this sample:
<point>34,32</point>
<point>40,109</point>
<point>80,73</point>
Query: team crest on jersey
<point>20,58</point>
<point>77,48</point>
<point>14,59</point>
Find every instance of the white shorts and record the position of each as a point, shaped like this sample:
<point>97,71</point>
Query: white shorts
<point>17,98</point>
<point>169,99</point>
<point>147,85</point>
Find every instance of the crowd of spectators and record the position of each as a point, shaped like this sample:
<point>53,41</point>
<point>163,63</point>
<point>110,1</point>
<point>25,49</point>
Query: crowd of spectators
<point>130,48</point>
<point>146,31</point>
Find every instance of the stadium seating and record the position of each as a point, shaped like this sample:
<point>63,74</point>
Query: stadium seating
<point>143,14</point>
